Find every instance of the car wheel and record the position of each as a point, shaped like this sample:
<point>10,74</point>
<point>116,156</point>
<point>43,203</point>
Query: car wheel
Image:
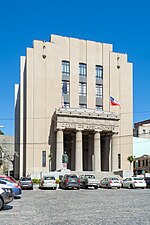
<point>131,186</point>
<point>1,204</point>
<point>96,187</point>
<point>78,188</point>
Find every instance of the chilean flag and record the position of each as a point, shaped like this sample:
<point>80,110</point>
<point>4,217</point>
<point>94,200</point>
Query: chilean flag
<point>114,102</point>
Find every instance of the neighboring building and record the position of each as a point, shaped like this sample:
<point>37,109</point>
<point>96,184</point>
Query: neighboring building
<point>6,154</point>
<point>141,165</point>
<point>142,129</point>
<point>63,104</point>
<point>141,147</point>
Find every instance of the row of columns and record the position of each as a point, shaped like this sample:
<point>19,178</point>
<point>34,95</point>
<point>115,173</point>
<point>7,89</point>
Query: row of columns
<point>79,152</point>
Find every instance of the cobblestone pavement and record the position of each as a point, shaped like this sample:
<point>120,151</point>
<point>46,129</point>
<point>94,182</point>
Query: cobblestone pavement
<point>79,207</point>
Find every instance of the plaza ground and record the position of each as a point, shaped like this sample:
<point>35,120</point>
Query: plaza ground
<point>79,207</point>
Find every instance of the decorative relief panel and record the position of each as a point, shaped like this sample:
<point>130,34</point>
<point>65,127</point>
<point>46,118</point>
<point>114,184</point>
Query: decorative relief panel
<point>84,127</point>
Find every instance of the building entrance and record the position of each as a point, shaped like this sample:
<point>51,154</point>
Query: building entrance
<point>87,151</point>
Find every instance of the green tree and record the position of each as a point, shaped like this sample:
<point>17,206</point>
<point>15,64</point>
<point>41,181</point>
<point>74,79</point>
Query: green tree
<point>1,133</point>
<point>130,159</point>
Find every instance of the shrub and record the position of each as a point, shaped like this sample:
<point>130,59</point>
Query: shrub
<point>36,181</point>
<point>57,180</point>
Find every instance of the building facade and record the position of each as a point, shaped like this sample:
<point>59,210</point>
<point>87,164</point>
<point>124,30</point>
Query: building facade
<point>6,154</point>
<point>63,105</point>
<point>141,165</point>
<point>142,129</point>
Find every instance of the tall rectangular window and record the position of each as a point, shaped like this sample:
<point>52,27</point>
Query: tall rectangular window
<point>99,72</point>
<point>83,106</point>
<point>65,68</point>
<point>99,107</point>
<point>82,89</point>
<point>82,70</point>
<point>139,163</point>
<point>146,162</point>
<point>119,161</point>
<point>143,162</point>
<point>99,90</point>
<point>65,87</point>
<point>43,158</point>
<point>66,105</point>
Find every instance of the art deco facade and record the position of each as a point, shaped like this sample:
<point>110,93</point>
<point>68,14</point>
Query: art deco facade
<point>63,104</point>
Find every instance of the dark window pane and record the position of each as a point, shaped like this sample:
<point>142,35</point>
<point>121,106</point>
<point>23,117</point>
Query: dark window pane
<point>43,158</point>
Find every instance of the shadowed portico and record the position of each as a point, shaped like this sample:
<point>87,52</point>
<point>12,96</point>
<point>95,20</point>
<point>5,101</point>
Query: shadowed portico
<point>86,138</point>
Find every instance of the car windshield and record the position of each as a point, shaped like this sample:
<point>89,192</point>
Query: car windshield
<point>113,178</point>
<point>90,176</point>
<point>26,179</point>
<point>72,176</point>
<point>137,178</point>
<point>49,178</point>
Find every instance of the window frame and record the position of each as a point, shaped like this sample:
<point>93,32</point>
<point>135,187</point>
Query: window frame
<point>119,161</point>
<point>67,87</point>
<point>43,158</point>
<point>99,72</point>
<point>82,70</point>
<point>99,91</point>
<point>82,89</point>
<point>65,68</point>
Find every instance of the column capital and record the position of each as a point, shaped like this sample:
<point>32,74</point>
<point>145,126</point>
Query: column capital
<point>59,129</point>
<point>79,130</point>
<point>97,131</point>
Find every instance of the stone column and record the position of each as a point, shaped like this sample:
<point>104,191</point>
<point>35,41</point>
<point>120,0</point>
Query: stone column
<point>90,150</point>
<point>72,151</point>
<point>114,151</point>
<point>97,151</point>
<point>110,156</point>
<point>79,154</point>
<point>59,149</point>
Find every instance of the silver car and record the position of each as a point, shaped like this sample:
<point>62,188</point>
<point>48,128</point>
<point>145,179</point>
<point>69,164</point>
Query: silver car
<point>48,182</point>
<point>110,182</point>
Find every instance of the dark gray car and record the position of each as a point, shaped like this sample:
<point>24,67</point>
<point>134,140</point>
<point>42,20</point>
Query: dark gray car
<point>26,183</point>
<point>70,181</point>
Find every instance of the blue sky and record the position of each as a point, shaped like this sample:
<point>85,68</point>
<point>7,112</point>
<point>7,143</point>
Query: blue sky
<point>125,24</point>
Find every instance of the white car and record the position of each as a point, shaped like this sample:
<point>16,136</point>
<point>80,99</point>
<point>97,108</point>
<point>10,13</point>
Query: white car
<point>134,182</point>
<point>6,195</point>
<point>48,182</point>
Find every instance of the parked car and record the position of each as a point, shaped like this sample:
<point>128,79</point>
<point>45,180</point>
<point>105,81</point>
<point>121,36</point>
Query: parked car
<point>26,183</point>
<point>147,179</point>
<point>48,182</point>
<point>9,178</point>
<point>6,195</point>
<point>15,187</point>
<point>89,180</point>
<point>110,182</point>
<point>70,181</point>
<point>134,182</point>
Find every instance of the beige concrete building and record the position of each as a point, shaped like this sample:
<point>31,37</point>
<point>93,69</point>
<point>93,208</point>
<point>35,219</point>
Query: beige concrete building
<point>63,104</point>
<point>142,129</point>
